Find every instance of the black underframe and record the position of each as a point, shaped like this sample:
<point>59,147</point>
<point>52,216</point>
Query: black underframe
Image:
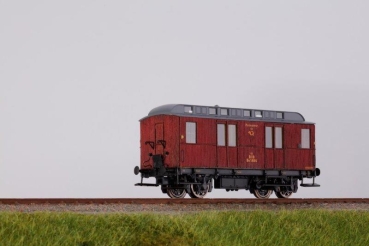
<point>242,178</point>
<point>225,178</point>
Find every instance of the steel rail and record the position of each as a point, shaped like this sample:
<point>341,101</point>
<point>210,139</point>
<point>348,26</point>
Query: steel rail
<point>77,201</point>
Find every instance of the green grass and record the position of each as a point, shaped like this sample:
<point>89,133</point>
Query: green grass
<point>296,227</point>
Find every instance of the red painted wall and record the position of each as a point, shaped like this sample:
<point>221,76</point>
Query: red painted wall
<point>296,157</point>
<point>249,153</point>
<point>203,153</point>
<point>160,128</point>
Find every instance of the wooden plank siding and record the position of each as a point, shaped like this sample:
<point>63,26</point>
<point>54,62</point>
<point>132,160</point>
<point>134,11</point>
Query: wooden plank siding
<point>203,152</point>
<point>296,157</point>
<point>249,152</point>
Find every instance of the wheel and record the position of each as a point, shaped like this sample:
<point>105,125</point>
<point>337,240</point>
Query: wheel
<point>196,191</point>
<point>164,189</point>
<point>176,193</point>
<point>286,192</point>
<point>283,194</point>
<point>192,195</point>
<point>263,194</point>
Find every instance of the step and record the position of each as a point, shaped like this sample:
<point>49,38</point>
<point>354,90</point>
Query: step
<point>145,184</point>
<point>310,185</point>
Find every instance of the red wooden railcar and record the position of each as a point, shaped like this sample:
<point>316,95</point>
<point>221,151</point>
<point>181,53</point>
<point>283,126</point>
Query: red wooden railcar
<point>193,149</point>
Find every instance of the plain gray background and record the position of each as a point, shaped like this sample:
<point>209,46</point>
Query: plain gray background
<point>76,77</point>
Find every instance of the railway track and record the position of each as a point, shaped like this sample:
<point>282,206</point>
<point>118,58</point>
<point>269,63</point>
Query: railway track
<point>82,201</point>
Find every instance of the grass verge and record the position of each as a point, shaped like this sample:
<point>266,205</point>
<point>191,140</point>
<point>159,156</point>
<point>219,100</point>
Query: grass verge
<point>297,227</point>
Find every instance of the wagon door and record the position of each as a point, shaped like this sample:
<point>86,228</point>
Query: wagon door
<point>227,144</point>
<point>274,150</point>
<point>221,144</point>
<point>232,150</point>
<point>159,138</point>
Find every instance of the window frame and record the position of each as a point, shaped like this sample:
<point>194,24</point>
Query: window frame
<point>191,137</point>
<point>211,112</point>
<point>232,135</point>
<point>305,138</point>
<point>268,137</point>
<point>221,134</point>
<point>278,139</point>
<point>222,110</point>
<point>274,137</point>
<point>188,109</point>
<point>248,113</point>
<point>258,114</point>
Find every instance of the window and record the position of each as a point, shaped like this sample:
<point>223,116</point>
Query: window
<point>268,137</point>
<point>212,111</point>
<point>277,141</point>
<point>221,134</point>
<point>223,111</point>
<point>188,109</point>
<point>233,112</point>
<point>246,113</point>
<point>279,115</point>
<point>305,138</point>
<point>232,135</point>
<point>258,114</point>
<point>190,132</point>
<point>278,138</point>
<point>200,110</point>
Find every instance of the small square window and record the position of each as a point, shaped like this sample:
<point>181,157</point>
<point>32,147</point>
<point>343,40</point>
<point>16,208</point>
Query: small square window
<point>203,110</point>
<point>258,114</point>
<point>198,110</point>
<point>246,113</point>
<point>279,115</point>
<point>223,111</point>
<point>188,109</point>
<point>233,112</point>
<point>212,111</point>
<point>239,112</point>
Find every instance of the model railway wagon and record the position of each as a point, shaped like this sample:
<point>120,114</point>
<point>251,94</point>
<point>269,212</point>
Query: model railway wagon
<point>192,149</point>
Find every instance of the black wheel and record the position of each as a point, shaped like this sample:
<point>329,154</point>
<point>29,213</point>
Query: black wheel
<point>176,193</point>
<point>192,195</point>
<point>197,191</point>
<point>164,189</point>
<point>262,194</point>
<point>286,192</point>
<point>283,194</point>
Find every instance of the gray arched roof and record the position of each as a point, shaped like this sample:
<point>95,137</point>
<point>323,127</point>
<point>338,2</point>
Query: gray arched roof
<point>218,112</point>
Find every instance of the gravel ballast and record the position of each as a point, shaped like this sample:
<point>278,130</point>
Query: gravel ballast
<point>174,208</point>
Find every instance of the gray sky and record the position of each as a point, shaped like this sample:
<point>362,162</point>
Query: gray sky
<point>76,77</point>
